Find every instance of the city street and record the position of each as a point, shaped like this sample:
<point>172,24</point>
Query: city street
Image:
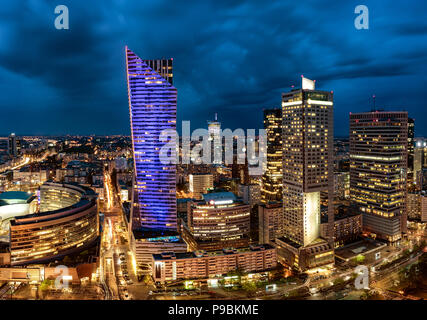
<point>119,266</point>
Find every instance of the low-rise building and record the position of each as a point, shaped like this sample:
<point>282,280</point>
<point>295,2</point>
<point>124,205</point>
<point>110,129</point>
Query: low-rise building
<point>171,266</point>
<point>317,254</point>
<point>145,243</point>
<point>270,225</point>
<point>347,227</point>
<point>219,220</point>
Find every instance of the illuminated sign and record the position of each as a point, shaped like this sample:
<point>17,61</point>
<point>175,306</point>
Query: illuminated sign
<point>325,103</point>
<point>307,84</point>
<point>292,103</point>
<point>219,202</point>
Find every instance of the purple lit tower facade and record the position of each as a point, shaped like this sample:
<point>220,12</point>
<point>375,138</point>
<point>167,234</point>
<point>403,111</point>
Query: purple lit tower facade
<point>152,106</point>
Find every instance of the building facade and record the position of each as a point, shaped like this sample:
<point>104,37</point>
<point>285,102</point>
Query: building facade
<point>270,221</point>
<point>152,106</point>
<point>272,177</point>
<point>378,171</point>
<point>307,138</point>
<point>307,160</point>
<point>342,185</point>
<point>145,244</point>
<point>200,184</point>
<point>204,265</point>
<point>411,147</point>
<point>215,139</point>
<point>13,145</point>
<point>347,228</point>
<point>70,227</point>
<point>420,159</point>
<point>250,193</point>
<point>218,221</point>
<point>417,206</point>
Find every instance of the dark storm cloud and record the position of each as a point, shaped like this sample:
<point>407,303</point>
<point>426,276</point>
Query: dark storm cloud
<point>230,57</point>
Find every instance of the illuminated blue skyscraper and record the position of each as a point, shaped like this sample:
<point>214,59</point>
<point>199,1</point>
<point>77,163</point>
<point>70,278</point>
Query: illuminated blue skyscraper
<point>152,106</point>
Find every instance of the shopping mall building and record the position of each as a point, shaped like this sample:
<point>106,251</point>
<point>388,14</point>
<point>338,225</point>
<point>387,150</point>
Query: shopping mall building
<point>67,222</point>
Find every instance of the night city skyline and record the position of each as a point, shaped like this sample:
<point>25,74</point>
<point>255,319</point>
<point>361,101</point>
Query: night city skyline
<point>72,81</point>
<point>213,157</point>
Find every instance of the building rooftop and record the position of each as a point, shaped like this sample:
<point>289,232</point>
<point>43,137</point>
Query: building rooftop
<point>14,197</point>
<point>183,200</point>
<point>361,247</point>
<point>51,215</point>
<point>346,212</point>
<point>203,253</point>
<point>290,242</point>
<point>216,196</point>
<point>154,235</point>
<point>271,204</point>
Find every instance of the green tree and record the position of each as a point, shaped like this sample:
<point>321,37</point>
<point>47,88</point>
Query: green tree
<point>46,284</point>
<point>249,286</point>
<point>360,258</point>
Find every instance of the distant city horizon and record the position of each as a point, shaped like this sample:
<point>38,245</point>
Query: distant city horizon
<point>225,61</point>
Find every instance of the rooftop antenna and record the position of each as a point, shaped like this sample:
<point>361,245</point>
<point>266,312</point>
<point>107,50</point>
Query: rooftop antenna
<point>216,116</point>
<point>373,97</point>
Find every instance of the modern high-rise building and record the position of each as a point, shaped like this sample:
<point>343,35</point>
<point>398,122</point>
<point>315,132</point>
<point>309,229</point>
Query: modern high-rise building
<point>152,105</point>
<point>13,145</point>
<point>215,138</point>
<point>307,172</point>
<point>250,193</point>
<point>200,183</point>
<point>307,160</point>
<point>420,152</point>
<point>342,185</point>
<point>378,171</point>
<point>272,177</point>
<point>411,147</point>
<point>164,67</point>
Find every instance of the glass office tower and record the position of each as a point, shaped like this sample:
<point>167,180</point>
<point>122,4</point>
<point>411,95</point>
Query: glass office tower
<point>308,183</point>
<point>307,161</point>
<point>272,177</point>
<point>378,170</point>
<point>152,106</point>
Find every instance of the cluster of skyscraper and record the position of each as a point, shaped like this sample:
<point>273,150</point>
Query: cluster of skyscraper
<point>300,168</point>
<point>297,185</point>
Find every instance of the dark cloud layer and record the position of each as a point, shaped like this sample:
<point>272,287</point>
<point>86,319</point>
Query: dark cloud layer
<point>231,57</point>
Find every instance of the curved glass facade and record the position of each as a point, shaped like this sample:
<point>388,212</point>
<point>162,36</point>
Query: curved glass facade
<point>53,234</point>
<point>55,197</point>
